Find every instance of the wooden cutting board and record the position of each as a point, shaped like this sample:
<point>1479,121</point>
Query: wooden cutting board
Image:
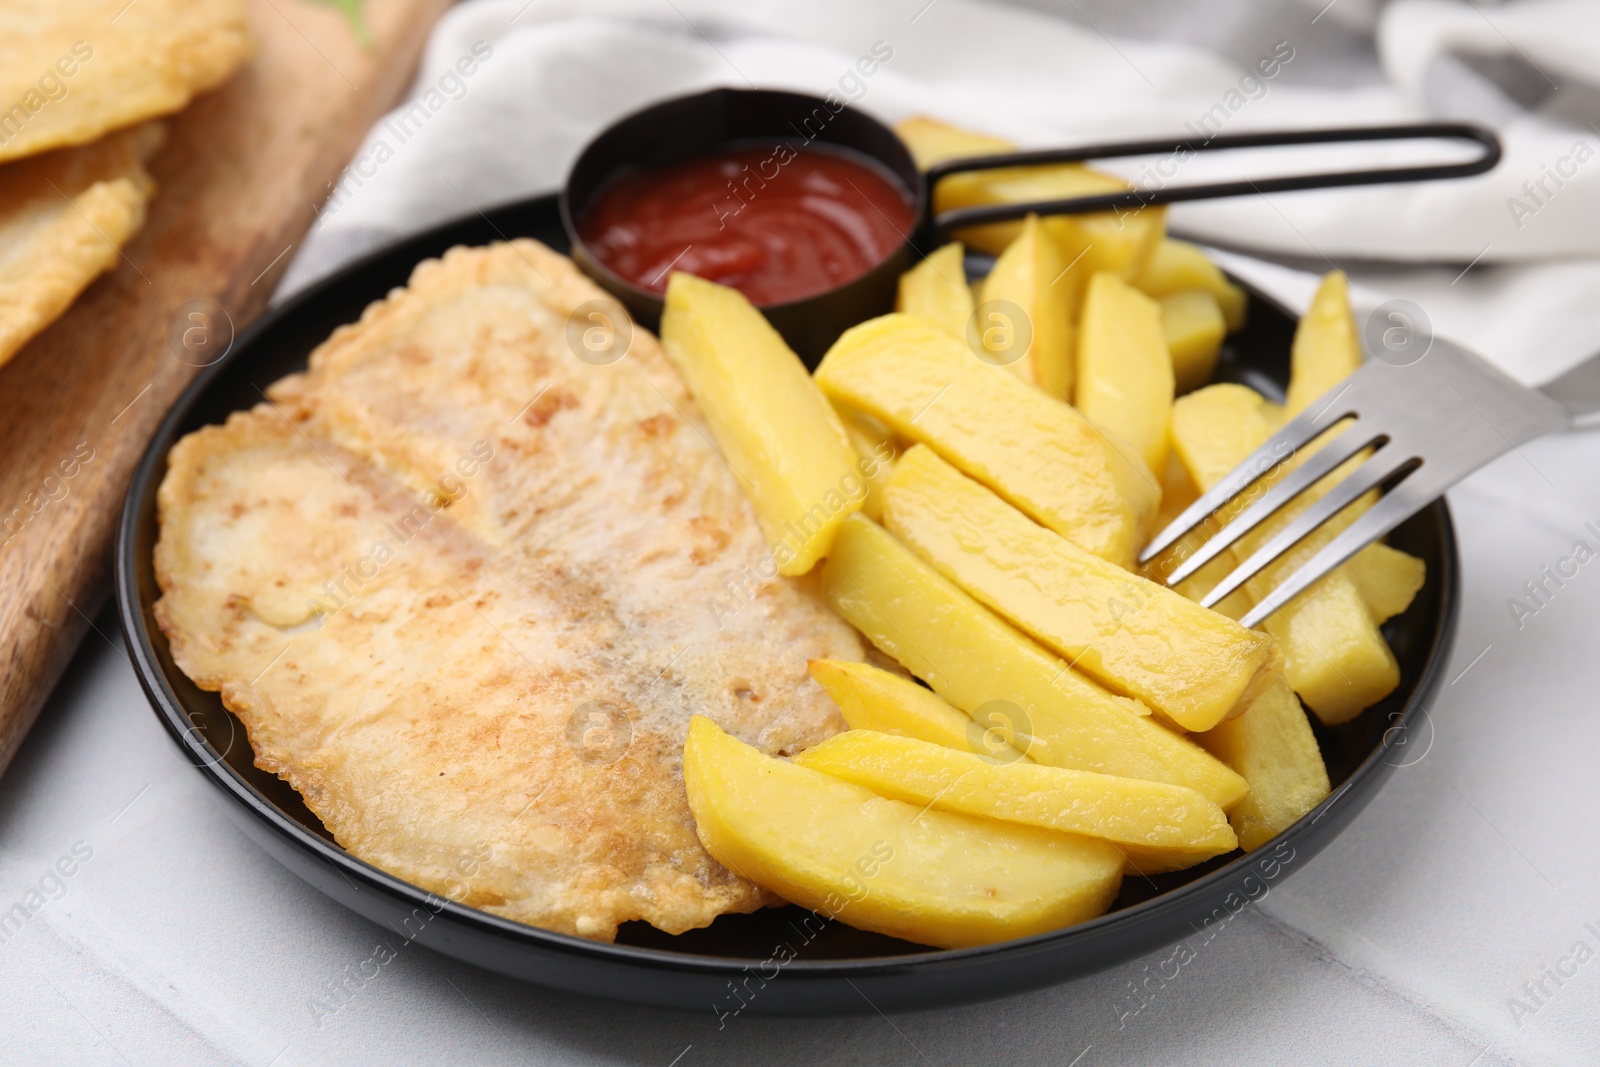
<point>239,179</point>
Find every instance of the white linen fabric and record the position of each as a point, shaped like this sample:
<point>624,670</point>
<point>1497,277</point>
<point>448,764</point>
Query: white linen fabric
<point>1455,922</point>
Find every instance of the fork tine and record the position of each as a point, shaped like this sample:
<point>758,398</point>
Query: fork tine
<point>1399,504</point>
<point>1369,474</point>
<point>1345,443</point>
<point>1295,435</point>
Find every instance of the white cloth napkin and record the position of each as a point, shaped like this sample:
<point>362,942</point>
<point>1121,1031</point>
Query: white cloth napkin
<point>1441,928</point>
<point>556,73</point>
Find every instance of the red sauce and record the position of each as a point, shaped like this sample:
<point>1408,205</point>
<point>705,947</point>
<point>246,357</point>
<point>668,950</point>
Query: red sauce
<point>775,223</point>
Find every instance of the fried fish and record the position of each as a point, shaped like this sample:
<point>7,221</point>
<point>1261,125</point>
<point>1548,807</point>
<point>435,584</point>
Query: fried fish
<point>73,70</point>
<point>465,590</point>
<point>64,218</point>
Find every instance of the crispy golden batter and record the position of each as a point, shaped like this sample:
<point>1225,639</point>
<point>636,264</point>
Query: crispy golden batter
<point>489,698</point>
<point>64,218</point>
<point>73,70</point>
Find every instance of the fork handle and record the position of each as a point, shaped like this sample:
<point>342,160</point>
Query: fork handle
<point>1578,390</point>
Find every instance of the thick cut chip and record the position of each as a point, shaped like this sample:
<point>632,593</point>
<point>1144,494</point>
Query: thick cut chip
<point>936,289</point>
<point>1194,327</point>
<point>1022,286</point>
<point>1193,665</point>
<point>1326,349</point>
<point>1125,380</point>
<point>871,698</point>
<point>1387,578</point>
<point>776,429</point>
<point>875,452</point>
<point>1334,655</point>
<point>1273,747</point>
<point>64,217</point>
<point>1000,677</point>
<point>935,877</point>
<point>73,70</point>
<point>934,141</point>
<point>1122,241</point>
<point>466,590</point>
<point>1118,241</point>
<point>1036,451</point>
<point>1167,826</point>
<point>1176,266</point>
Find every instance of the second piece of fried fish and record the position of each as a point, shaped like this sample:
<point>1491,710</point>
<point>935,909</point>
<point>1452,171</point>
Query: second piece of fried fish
<point>64,218</point>
<point>465,590</point>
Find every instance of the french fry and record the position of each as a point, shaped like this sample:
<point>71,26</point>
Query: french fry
<point>1193,325</point>
<point>1035,451</point>
<point>1387,578</point>
<point>778,432</point>
<point>1326,349</point>
<point>934,141</point>
<point>934,877</point>
<point>1334,656</point>
<point>1120,241</point>
<point>1176,266</point>
<point>1024,277</point>
<point>1169,826</point>
<point>871,698</point>
<point>973,660</point>
<point>936,289</point>
<point>875,455</point>
<point>1125,381</point>
<point>1189,663</point>
<point>1273,747</point>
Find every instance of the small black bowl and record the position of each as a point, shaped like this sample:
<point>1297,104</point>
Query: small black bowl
<point>835,969</point>
<point>721,118</point>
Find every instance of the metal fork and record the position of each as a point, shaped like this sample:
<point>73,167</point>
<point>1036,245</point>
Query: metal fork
<point>1429,424</point>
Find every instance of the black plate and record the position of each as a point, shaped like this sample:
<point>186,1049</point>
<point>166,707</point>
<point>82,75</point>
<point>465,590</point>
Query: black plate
<point>835,968</point>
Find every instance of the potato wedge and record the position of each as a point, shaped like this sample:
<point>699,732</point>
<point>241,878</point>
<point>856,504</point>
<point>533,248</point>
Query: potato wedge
<point>875,455</point>
<point>1387,578</point>
<point>1193,325</point>
<point>934,877</point>
<point>936,289</point>
<point>1334,656</point>
<point>1034,450</point>
<point>871,698</point>
<point>1189,663</point>
<point>1120,242</point>
<point>1273,747</point>
<point>933,141</point>
<point>1177,492</point>
<point>777,431</point>
<point>975,661</point>
<point>1025,276</point>
<point>1125,379</point>
<point>1169,826</point>
<point>1337,681</point>
<point>1177,265</point>
<point>1326,348</point>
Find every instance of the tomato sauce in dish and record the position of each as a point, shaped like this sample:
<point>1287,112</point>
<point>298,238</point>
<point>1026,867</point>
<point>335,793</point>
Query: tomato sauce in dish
<point>775,223</point>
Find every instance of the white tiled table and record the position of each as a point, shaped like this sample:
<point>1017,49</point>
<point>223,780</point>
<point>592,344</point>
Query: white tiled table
<point>1411,940</point>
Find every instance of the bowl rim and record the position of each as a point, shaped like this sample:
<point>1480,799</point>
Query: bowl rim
<point>612,282</point>
<point>1348,798</point>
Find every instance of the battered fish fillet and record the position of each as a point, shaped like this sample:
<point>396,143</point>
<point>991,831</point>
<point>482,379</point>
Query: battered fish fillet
<point>73,70</point>
<point>64,217</point>
<point>465,591</point>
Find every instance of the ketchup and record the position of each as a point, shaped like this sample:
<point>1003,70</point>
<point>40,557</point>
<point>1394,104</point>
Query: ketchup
<point>775,223</point>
